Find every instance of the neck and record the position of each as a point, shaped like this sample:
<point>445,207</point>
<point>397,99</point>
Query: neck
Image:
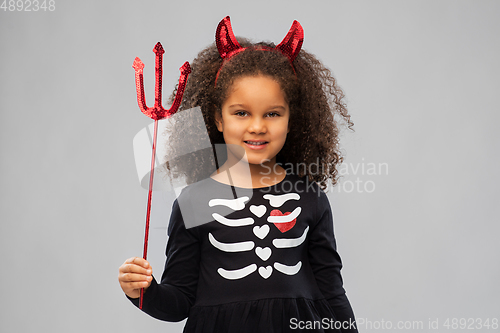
<point>243,174</point>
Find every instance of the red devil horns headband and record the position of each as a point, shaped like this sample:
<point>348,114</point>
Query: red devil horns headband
<point>228,45</point>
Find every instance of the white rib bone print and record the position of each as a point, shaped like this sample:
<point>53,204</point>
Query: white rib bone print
<point>279,200</point>
<point>260,232</point>
<point>234,204</point>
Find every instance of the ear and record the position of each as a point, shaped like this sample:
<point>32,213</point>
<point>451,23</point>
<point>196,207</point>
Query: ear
<point>218,121</point>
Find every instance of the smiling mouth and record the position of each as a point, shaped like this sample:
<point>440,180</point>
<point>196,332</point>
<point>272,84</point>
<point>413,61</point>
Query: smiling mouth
<point>256,143</point>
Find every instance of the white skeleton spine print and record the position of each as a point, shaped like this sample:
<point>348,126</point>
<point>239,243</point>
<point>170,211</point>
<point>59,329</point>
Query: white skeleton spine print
<point>282,221</point>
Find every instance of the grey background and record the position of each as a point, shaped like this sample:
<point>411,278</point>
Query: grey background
<point>421,79</point>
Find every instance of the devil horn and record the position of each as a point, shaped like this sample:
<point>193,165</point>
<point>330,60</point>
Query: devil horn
<point>292,43</point>
<point>226,42</point>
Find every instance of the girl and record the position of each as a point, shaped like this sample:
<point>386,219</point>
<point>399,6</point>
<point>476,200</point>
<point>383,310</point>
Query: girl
<point>251,245</point>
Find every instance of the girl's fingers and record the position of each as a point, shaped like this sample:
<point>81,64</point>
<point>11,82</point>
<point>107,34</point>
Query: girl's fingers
<point>132,283</point>
<point>130,268</point>
<point>134,274</point>
<point>132,277</point>
<point>135,266</point>
<point>138,261</point>
<point>137,285</point>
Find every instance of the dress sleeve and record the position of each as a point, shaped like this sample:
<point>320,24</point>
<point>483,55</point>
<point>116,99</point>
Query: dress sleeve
<point>172,298</point>
<point>326,265</point>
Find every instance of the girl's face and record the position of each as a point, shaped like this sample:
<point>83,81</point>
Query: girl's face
<point>255,117</point>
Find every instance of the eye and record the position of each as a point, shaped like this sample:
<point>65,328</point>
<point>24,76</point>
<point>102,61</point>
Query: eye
<point>240,113</point>
<point>273,114</point>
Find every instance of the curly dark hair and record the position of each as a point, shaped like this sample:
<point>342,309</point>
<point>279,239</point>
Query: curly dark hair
<point>314,98</point>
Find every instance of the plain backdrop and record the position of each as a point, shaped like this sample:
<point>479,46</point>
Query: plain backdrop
<point>416,211</point>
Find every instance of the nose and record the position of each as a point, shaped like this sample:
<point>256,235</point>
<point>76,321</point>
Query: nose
<point>257,125</point>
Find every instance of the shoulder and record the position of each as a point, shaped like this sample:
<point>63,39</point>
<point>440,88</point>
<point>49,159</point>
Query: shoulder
<point>301,185</point>
<point>186,208</point>
<point>196,200</point>
<point>309,192</point>
<point>196,193</point>
<point>312,194</point>
<point>194,189</point>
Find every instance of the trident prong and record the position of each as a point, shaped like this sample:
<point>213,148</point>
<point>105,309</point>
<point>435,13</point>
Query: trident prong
<point>158,111</point>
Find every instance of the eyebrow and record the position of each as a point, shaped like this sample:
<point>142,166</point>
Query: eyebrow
<point>272,107</point>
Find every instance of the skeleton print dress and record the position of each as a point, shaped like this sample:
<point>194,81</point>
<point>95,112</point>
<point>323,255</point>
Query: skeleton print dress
<point>251,260</point>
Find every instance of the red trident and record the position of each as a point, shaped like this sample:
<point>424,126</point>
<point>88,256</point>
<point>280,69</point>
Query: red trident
<point>157,112</point>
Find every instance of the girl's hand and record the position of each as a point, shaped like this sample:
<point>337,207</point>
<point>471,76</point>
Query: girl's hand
<point>134,274</point>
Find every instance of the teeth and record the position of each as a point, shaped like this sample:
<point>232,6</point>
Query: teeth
<point>255,143</point>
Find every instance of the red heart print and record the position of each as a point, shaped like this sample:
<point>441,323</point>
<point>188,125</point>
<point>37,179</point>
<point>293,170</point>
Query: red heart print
<point>283,227</point>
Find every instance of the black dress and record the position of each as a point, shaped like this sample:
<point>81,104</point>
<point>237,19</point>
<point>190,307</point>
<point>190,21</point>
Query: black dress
<point>252,260</point>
